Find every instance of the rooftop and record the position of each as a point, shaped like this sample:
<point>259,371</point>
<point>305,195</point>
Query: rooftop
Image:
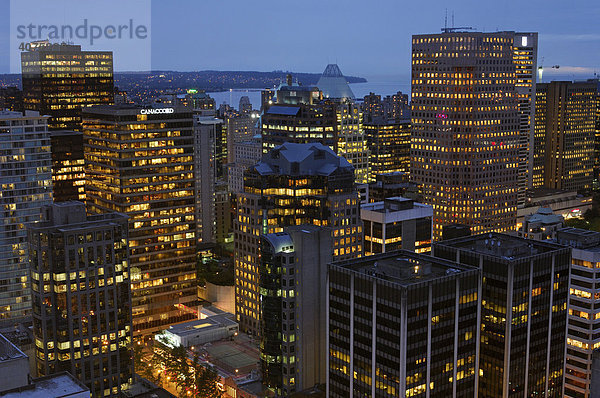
<point>502,246</point>
<point>61,133</point>
<point>579,238</point>
<point>283,110</point>
<point>404,267</point>
<point>57,386</point>
<point>241,354</point>
<point>394,204</point>
<point>333,84</point>
<point>301,159</point>
<point>6,114</point>
<point>132,109</point>
<point>9,351</point>
<point>71,215</point>
<point>281,241</point>
<point>213,319</point>
<point>544,216</point>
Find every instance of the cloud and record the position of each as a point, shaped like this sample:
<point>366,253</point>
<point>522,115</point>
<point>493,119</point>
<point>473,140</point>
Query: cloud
<point>566,69</point>
<point>570,37</point>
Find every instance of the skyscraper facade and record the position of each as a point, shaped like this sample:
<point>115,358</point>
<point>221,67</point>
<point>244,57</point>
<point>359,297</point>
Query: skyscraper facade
<point>299,123</point>
<point>60,79</point>
<point>246,154</point>
<point>402,324</point>
<point>140,162</point>
<point>465,127</point>
<point>582,340</point>
<point>293,290</point>
<point>523,308</point>
<point>597,135</point>
<point>25,186</point>
<point>206,160</point>
<point>300,115</point>
<point>352,143</point>
<point>294,184</point>
<point>81,297</point>
<point>396,223</point>
<point>238,128</point>
<point>525,59</point>
<point>566,131</point>
<point>389,146</point>
<point>68,174</point>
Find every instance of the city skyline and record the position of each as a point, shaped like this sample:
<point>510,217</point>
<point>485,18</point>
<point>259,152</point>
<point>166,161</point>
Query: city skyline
<point>425,223</point>
<point>567,35</point>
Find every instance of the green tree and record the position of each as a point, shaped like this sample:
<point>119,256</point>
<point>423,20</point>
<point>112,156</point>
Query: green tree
<point>144,364</point>
<point>190,377</point>
<point>205,380</point>
<point>577,223</point>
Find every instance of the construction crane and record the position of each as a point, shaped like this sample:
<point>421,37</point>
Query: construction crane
<point>541,69</point>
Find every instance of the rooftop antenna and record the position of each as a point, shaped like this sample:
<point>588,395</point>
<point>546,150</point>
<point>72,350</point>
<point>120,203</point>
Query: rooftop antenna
<point>446,21</point>
<point>453,29</point>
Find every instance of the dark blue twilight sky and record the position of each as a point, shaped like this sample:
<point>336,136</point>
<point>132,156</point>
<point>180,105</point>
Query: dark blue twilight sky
<point>366,38</point>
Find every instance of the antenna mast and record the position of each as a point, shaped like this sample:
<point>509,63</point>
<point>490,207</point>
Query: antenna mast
<point>446,20</point>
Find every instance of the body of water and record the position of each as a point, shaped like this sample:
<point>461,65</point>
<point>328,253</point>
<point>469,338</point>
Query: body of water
<point>382,88</point>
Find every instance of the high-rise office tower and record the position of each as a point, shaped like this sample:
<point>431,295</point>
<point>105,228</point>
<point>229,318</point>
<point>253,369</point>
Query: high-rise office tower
<point>389,146</point>
<point>294,184</point>
<point>299,123</point>
<point>266,98</point>
<point>523,308</point>
<point>60,79</point>
<point>68,174</point>
<point>392,108</point>
<point>389,185</point>
<point>396,223</point>
<point>525,59</point>
<point>465,127</point>
<point>565,127</point>
<point>81,297</point>
<point>299,115</point>
<point>293,292</point>
<point>245,106</point>
<point>140,162</point>
<point>223,214</point>
<point>582,340</point>
<point>396,107</point>
<point>245,155</point>
<point>207,162</point>
<point>402,324</point>
<point>597,140</point>
<point>199,100</point>
<point>372,107</point>
<point>11,98</point>
<point>25,186</point>
<point>238,128</point>
<point>352,142</point>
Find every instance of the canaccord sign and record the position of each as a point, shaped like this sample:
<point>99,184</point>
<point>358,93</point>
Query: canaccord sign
<point>157,111</point>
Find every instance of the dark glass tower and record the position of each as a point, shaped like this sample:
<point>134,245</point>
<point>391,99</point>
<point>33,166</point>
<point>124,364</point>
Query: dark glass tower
<point>294,184</point>
<point>68,175</point>
<point>402,324</point>
<point>60,79</point>
<point>293,292</point>
<point>81,297</point>
<point>523,312</point>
